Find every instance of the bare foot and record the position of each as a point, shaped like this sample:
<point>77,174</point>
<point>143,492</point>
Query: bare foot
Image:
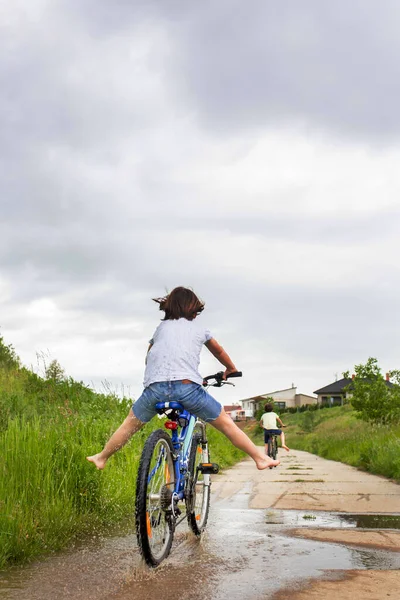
<point>100,463</point>
<point>265,462</point>
<point>286,448</point>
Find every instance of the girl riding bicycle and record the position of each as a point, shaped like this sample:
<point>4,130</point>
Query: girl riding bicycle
<point>171,373</point>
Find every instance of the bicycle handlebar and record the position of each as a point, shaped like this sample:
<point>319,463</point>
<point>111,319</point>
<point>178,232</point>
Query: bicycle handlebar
<point>219,378</point>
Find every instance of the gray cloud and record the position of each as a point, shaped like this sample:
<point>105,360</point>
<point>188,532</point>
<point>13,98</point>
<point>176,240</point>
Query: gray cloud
<point>109,117</point>
<point>49,257</point>
<point>262,64</point>
<point>258,64</point>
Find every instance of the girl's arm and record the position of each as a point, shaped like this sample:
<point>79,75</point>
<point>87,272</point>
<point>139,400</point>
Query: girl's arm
<point>280,422</point>
<point>221,355</point>
<point>148,350</point>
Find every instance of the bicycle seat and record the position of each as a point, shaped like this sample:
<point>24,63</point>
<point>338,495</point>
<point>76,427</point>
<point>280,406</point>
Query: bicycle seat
<point>163,406</point>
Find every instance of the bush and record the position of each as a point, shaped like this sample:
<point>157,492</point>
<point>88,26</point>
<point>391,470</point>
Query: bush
<point>373,399</point>
<point>8,357</point>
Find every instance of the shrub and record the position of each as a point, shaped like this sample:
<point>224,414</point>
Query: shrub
<point>371,396</point>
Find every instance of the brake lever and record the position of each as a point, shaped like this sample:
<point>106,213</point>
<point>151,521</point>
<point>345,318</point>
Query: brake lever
<point>206,384</point>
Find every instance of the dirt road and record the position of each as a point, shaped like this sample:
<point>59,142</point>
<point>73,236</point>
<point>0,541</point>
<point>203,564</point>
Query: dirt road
<point>297,531</point>
<point>305,495</point>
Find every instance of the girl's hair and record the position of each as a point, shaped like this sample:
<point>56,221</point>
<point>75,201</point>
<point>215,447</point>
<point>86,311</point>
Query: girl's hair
<point>268,407</point>
<point>181,302</point>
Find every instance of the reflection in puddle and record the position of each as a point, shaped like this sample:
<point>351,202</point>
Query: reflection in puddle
<point>300,518</point>
<point>373,521</point>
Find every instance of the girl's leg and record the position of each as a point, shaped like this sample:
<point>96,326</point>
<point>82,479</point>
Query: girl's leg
<point>283,442</point>
<point>239,439</point>
<point>123,434</point>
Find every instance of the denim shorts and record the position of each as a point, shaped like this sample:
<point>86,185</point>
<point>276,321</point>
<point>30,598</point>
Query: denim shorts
<point>269,432</point>
<point>192,396</point>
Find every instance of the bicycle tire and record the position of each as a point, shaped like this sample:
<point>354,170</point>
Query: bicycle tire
<point>269,448</point>
<point>274,448</point>
<point>154,489</point>
<point>198,487</point>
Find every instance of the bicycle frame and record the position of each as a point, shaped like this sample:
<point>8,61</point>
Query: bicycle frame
<point>181,442</point>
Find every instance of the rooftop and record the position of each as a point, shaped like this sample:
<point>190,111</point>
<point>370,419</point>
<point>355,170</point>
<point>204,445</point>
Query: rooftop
<point>337,387</point>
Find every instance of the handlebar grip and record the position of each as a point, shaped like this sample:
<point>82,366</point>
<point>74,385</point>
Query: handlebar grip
<point>219,380</point>
<point>235,374</point>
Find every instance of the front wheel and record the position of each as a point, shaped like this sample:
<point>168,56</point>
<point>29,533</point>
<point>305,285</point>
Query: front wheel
<point>198,486</point>
<point>154,490</point>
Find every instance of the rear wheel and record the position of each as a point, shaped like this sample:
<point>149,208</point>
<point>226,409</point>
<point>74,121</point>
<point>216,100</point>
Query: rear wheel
<point>198,485</point>
<point>154,490</point>
<point>269,449</point>
<point>272,447</point>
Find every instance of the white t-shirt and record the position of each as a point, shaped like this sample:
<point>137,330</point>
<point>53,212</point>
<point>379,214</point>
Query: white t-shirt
<point>175,351</point>
<point>269,420</point>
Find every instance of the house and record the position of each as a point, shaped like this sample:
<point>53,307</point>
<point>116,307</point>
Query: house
<point>336,393</point>
<point>231,407</point>
<point>236,412</point>
<point>287,398</point>
<point>249,404</point>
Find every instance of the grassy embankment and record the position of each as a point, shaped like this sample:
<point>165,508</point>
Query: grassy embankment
<point>337,434</point>
<point>49,493</point>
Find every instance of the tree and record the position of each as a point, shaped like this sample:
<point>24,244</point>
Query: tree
<point>261,411</point>
<point>371,396</point>
<point>55,372</point>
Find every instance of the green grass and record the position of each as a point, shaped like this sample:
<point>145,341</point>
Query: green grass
<point>337,434</point>
<point>308,481</point>
<point>50,494</point>
<point>222,451</point>
<point>299,468</point>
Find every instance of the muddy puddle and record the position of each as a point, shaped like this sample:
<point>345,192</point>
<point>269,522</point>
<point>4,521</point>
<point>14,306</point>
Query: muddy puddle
<point>244,554</point>
<point>272,559</point>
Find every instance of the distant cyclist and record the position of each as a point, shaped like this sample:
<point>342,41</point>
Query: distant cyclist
<point>269,422</point>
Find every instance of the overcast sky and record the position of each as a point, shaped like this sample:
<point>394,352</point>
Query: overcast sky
<point>249,150</point>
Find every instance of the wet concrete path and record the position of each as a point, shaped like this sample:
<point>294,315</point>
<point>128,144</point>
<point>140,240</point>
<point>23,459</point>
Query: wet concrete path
<point>259,542</point>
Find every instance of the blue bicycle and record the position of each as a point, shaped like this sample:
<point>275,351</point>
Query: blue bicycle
<point>174,470</point>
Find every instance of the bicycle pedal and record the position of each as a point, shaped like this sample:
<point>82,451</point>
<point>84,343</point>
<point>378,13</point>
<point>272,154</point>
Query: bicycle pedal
<point>208,468</point>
